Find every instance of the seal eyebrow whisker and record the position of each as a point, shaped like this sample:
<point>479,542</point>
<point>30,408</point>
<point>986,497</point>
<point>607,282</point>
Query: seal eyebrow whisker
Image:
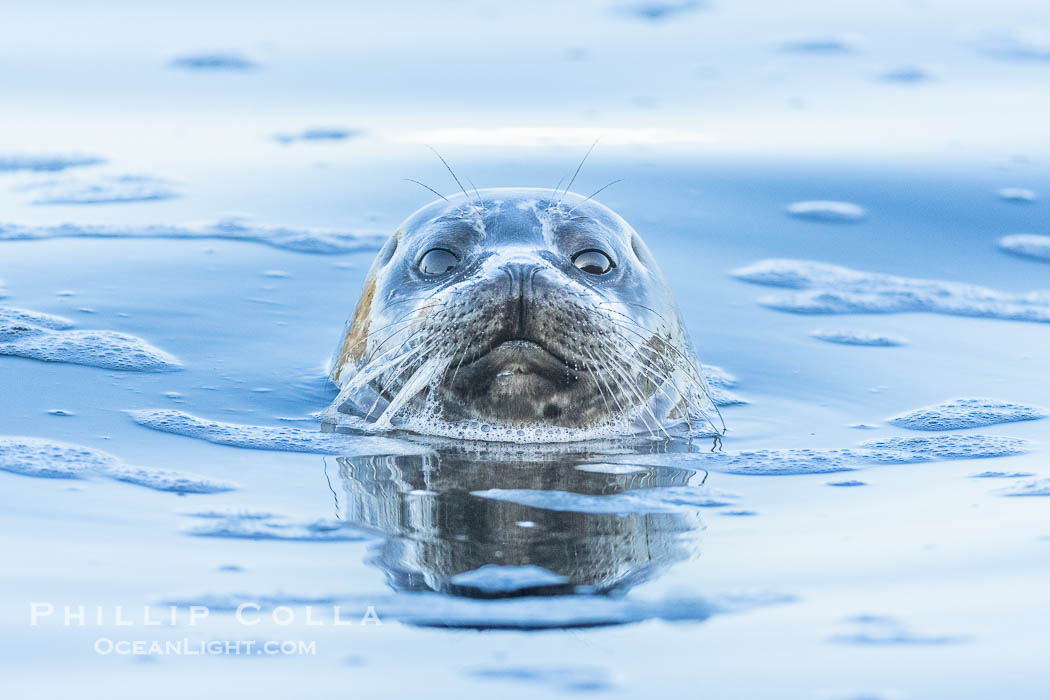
<point>452,173</point>
<point>408,179</point>
<point>475,187</point>
<point>593,194</point>
<point>555,190</point>
<point>578,168</point>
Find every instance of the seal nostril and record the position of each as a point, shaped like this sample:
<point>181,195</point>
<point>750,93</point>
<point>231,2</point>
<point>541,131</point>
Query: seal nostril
<point>521,290</point>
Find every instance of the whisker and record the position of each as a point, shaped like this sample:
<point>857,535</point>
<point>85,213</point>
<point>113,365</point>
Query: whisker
<point>625,382</point>
<point>408,179</point>
<point>593,194</point>
<point>556,188</point>
<point>631,303</point>
<point>460,350</point>
<point>401,319</point>
<point>450,171</point>
<point>599,380</point>
<point>681,361</point>
<point>392,335</point>
<point>578,168</point>
<point>431,368</point>
<point>476,191</point>
<point>399,367</point>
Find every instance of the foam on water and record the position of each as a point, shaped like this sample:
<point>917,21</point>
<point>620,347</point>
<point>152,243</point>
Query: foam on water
<point>107,189</point>
<point>1017,195</point>
<point>218,61</point>
<point>824,461</point>
<point>564,679</point>
<point>317,134</point>
<point>848,483</point>
<point>531,612</point>
<point>1027,245</point>
<point>827,212</point>
<point>953,446</point>
<point>494,578</point>
<point>1000,475</point>
<point>719,385</point>
<point>49,459</point>
<point>967,413</point>
<point>46,337</point>
<point>668,499</point>
<point>1035,487</point>
<point>279,439</point>
<point>12,320</point>
<point>45,163</point>
<point>233,514</point>
<point>775,462</point>
<point>236,229</point>
<point>844,336</point>
<point>166,480</point>
<point>429,423</point>
<point>831,289</point>
<point>258,525</point>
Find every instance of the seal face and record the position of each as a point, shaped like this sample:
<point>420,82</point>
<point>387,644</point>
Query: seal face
<point>522,314</point>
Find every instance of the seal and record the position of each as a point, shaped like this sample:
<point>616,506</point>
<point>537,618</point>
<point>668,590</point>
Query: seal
<point>522,315</point>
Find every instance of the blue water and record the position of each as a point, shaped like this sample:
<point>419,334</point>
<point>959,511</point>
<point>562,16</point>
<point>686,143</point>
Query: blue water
<point>169,454</point>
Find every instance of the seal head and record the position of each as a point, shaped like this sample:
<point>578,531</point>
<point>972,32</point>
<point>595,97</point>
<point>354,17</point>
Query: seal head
<point>519,314</point>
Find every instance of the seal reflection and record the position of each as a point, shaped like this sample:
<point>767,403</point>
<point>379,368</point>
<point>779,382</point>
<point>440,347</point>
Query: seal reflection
<point>436,529</point>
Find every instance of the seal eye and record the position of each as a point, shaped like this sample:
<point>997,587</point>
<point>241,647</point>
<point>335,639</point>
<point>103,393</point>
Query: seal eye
<point>437,261</point>
<point>593,262</point>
